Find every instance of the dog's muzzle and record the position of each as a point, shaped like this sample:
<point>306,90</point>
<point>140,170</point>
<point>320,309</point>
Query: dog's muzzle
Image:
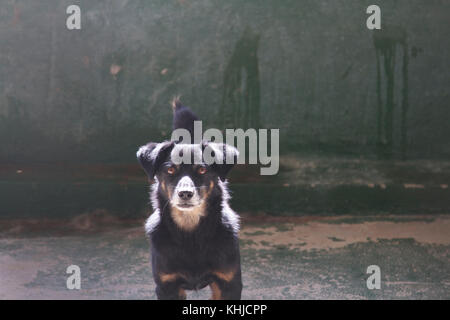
<point>185,194</point>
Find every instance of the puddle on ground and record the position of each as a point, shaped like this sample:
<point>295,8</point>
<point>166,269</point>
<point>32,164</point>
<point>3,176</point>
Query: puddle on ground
<point>330,234</point>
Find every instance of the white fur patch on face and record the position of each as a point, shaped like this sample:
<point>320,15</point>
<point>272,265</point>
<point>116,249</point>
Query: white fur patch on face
<point>185,184</point>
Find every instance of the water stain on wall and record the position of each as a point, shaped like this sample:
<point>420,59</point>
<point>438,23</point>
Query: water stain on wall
<point>241,87</point>
<point>390,42</point>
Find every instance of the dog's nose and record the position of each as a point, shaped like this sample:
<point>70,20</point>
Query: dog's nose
<point>185,195</point>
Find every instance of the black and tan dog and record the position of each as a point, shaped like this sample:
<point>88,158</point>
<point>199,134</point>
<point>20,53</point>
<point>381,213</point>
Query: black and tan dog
<point>193,230</point>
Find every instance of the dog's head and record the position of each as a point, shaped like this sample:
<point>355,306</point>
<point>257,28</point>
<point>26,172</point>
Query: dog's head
<point>187,173</point>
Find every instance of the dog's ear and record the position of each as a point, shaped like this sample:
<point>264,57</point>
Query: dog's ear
<point>225,157</point>
<point>152,155</point>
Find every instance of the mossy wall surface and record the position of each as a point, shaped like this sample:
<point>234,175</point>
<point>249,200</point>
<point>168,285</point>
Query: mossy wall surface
<point>310,68</point>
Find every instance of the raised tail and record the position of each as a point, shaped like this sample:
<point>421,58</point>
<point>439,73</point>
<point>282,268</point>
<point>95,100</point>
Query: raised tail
<point>183,117</point>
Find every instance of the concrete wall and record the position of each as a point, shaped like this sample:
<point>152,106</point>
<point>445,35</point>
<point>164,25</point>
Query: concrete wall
<point>308,67</point>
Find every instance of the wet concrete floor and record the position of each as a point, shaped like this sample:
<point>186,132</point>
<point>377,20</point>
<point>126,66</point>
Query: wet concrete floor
<point>282,258</point>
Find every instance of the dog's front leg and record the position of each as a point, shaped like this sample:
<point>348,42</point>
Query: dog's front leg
<point>226,286</point>
<point>170,291</point>
<point>168,287</point>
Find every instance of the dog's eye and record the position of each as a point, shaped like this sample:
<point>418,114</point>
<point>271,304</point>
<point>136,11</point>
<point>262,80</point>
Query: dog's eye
<point>201,170</point>
<point>170,170</point>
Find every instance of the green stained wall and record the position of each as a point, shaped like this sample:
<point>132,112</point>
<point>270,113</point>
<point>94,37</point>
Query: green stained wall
<point>308,67</point>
